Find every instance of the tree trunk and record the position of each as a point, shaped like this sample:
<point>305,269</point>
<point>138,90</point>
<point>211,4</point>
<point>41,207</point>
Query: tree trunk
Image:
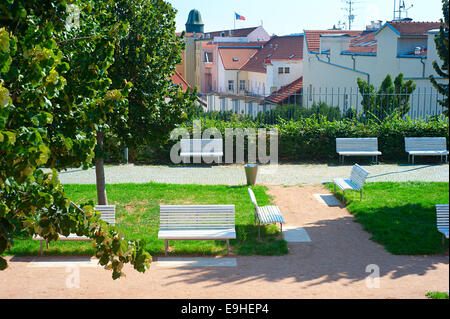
<point>100,172</point>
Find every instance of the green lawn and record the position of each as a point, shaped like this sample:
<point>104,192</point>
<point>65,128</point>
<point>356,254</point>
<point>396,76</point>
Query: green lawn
<point>400,216</point>
<point>437,295</point>
<point>137,217</point>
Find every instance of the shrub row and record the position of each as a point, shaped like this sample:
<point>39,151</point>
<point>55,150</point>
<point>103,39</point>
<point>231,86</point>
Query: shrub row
<point>314,139</point>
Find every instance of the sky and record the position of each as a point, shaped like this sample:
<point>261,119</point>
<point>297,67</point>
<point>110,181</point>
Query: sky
<point>285,17</point>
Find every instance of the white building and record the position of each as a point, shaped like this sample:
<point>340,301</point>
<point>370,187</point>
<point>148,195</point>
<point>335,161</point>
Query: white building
<point>252,73</point>
<point>334,60</point>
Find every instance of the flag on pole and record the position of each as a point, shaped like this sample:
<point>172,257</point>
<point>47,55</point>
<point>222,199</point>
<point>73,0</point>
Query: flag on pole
<point>239,17</point>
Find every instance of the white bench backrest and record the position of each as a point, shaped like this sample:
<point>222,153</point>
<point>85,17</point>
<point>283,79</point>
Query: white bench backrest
<point>425,144</point>
<point>253,198</point>
<point>357,144</point>
<point>108,213</point>
<point>359,176</point>
<point>442,216</point>
<point>197,217</point>
<point>201,146</point>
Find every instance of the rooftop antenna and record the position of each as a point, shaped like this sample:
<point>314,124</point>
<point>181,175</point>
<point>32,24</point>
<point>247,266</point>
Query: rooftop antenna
<point>402,9</point>
<point>350,12</point>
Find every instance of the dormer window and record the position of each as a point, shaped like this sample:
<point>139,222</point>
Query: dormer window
<point>222,34</point>
<point>235,59</point>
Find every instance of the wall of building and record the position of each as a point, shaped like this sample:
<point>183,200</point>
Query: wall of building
<point>256,83</point>
<point>275,81</point>
<point>190,62</point>
<point>259,35</point>
<point>335,75</point>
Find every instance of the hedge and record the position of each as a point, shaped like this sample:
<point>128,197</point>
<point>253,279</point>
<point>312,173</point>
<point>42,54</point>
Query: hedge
<point>314,139</point>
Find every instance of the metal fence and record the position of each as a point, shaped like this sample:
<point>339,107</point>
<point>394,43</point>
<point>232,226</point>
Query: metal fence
<point>334,104</point>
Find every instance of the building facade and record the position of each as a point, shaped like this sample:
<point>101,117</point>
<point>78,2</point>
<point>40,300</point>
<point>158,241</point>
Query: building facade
<point>334,60</point>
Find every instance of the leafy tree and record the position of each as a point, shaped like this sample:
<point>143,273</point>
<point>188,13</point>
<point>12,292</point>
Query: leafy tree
<point>146,57</point>
<point>391,98</point>
<point>442,49</point>
<point>54,96</point>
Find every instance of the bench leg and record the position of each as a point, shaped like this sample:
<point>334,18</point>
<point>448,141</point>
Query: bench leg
<point>228,247</point>
<point>259,229</point>
<point>166,246</point>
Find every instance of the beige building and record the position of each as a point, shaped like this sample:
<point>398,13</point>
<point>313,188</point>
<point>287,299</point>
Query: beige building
<point>334,60</point>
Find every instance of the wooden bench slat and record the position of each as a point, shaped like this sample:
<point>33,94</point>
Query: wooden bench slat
<point>357,147</point>
<point>201,222</point>
<point>108,214</point>
<point>204,148</point>
<point>426,146</point>
<point>442,216</point>
<point>266,214</point>
<point>356,181</point>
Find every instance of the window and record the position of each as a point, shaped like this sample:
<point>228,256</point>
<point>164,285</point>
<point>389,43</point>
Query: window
<point>231,85</point>
<point>242,85</point>
<point>287,70</point>
<point>208,57</point>
<point>250,108</point>
<point>280,70</point>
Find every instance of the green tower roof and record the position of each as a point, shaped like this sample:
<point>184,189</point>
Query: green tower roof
<point>194,23</point>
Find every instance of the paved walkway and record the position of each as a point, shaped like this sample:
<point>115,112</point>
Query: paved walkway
<point>337,260</point>
<point>268,175</point>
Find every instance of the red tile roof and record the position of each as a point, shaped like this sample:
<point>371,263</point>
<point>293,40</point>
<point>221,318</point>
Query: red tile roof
<point>414,28</point>
<point>239,44</point>
<point>365,43</point>
<point>278,48</point>
<point>234,33</point>
<point>235,59</point>
<point>313,37</point>
<point>286,91</point>
<point>179,80</point>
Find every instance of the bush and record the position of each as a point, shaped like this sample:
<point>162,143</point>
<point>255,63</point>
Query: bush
<point>314,138</point>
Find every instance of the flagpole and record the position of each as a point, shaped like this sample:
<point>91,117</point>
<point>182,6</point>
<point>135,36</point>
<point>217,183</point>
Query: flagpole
<point>234,21</point>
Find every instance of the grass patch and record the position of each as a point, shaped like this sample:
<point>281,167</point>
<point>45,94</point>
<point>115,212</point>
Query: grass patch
<point>437,295</point>
<point>400,216</point>
<point>137,217</point>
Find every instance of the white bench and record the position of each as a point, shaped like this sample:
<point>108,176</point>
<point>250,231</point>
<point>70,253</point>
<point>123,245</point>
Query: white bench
<point>356,181</point>
<point>426,146</point>
<point>266,214</point>
<point>442,221</point>
<point>203,149</point>
<point>108,214</point>
<point>357,147</point>
<point>206,222</point>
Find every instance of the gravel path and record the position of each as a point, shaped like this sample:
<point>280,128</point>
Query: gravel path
<point>269,175</point>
